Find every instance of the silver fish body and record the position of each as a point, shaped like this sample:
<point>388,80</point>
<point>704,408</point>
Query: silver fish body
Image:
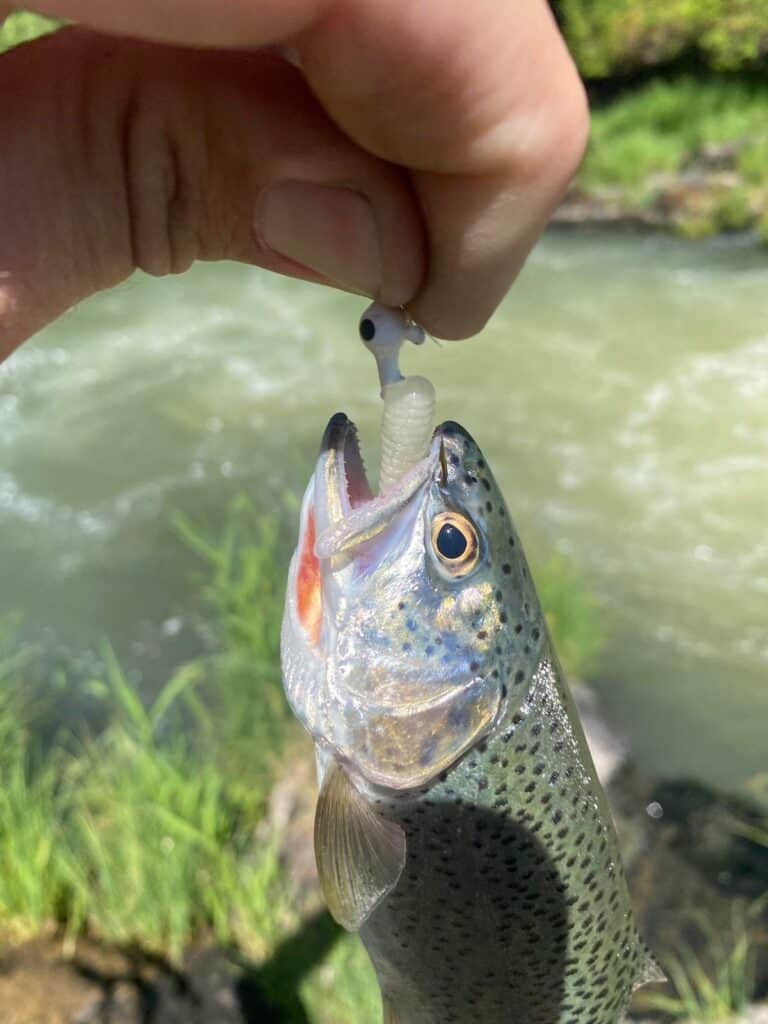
<point>460,828</point>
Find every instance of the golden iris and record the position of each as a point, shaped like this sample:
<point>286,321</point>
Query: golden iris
<point>454,540</point>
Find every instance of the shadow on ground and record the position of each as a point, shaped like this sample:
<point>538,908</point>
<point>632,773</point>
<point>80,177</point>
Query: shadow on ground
<point>102,985</point>
<point>215,987</point>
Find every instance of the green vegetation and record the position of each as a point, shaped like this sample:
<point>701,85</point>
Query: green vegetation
<point>22,27</point>
<point>571,615</point>
<point>145,832</point>
<point>615,36</point>
<point>717,990</point>
<point>152,832</point>
<point>682,151</point>
<point>666,124</point>
<point>688,153</point>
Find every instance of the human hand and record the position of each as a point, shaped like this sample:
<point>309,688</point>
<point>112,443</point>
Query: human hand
<point>415,158</point>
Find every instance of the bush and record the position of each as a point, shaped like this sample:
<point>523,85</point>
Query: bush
<point>615,36</point>
<point>666,124</point>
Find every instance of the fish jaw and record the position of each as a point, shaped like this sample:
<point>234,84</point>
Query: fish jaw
<point>381,659</point>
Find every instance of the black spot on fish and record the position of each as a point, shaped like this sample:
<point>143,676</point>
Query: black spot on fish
<point>469,479</point>
<point>401,605</point>
<point>488,506</point>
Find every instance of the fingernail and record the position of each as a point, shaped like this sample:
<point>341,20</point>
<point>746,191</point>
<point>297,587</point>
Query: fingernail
<point>329,230</point>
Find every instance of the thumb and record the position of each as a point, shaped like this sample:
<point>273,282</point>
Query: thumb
<point>119,155</point>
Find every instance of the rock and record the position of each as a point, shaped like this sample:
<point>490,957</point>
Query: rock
<point>290,816</point>
<point>607,746</point>
<point>697,880</point>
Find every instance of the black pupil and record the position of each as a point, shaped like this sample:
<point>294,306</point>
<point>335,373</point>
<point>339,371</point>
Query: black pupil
<point>367,329</point>
<point>451,542</point>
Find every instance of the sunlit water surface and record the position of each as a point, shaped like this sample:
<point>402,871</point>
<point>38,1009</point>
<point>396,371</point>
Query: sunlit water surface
<point>621,395</point>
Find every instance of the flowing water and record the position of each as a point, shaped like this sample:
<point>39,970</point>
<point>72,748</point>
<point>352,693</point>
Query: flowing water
<point>621,395</point>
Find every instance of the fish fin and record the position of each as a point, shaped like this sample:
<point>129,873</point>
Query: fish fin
<point>390,1013</point>
<point>649,971</point>
<point>360,855</point>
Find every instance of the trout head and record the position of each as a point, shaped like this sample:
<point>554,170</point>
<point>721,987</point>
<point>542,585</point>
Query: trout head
<point>411,625</point>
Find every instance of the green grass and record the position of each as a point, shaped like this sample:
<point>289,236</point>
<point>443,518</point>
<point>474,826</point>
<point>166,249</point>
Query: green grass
<point>134,838</point>
<point>715,990</point>
<point>145,833</point>
<point>647,142</point>
<point>661,126</point>
<point>242,587</point>
<point>22,27</point>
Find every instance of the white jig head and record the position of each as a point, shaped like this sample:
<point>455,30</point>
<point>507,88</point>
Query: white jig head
<point>383,331</point>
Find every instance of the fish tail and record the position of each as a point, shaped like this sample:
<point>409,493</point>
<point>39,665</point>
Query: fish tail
<point>649,970</point>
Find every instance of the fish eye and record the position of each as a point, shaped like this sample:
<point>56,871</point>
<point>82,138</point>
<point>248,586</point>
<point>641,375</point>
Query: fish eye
<point>367,329</point>
<point>455,542</point>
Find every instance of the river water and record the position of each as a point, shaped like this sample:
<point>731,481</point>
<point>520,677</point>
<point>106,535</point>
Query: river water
<point>621,395</point>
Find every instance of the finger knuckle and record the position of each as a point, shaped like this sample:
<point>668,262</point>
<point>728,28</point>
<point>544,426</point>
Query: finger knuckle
<point>163,167</point>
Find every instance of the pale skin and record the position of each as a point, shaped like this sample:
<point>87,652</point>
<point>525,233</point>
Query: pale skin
<point>415,157</point>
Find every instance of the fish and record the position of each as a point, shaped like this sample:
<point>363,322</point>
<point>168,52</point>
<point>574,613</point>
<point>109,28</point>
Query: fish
<point>460,828</point>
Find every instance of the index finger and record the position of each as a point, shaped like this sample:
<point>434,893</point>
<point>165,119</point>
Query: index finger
<point>479,102</point>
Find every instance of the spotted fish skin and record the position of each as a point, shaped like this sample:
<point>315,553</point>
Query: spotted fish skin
<point>511,905</point>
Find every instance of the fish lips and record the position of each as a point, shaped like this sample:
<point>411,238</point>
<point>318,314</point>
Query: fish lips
<point>348,513</point>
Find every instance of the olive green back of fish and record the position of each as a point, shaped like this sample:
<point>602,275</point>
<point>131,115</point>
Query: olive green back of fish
<point>511,906</point>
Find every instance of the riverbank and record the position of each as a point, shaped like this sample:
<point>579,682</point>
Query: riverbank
<point>685,154</point>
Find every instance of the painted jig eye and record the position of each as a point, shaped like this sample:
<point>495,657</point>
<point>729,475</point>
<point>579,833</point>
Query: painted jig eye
<point>454,539</point>
<point>367,329</point>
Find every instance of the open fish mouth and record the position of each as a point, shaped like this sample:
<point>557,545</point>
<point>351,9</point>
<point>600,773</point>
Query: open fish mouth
<point>348,511</point>
<point>341,443</point>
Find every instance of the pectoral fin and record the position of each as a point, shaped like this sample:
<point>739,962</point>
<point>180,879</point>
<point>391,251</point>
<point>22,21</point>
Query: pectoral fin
<point>359,854</point>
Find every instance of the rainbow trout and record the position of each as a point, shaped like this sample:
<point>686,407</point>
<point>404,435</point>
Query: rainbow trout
<point>460,827</point>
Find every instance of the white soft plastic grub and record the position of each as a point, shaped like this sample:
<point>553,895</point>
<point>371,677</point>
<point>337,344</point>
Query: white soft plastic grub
<point>409,402</point>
